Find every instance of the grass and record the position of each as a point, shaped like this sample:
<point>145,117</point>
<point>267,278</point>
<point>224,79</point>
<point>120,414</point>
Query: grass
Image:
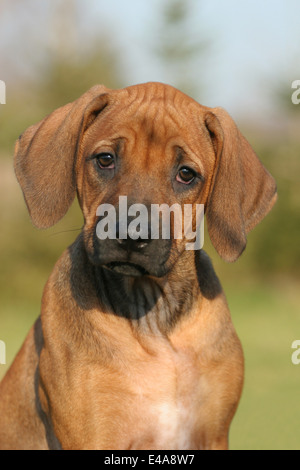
<point>267,320</point>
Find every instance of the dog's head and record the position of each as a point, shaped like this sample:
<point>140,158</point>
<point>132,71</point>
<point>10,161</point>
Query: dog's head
<point>128,152</point>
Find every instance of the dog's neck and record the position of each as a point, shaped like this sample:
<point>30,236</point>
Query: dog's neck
<point>151,304</point>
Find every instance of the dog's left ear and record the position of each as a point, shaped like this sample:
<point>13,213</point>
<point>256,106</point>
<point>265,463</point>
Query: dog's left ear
<point>242,191</point>
<point>45,156</point>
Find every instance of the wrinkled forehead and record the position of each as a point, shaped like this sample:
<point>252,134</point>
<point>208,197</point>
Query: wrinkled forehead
<point>152,93</point>
<point>153,111</point>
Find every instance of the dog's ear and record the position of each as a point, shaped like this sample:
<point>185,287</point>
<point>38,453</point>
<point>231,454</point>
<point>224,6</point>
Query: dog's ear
<point>45,156</point>
<point>242,191</point>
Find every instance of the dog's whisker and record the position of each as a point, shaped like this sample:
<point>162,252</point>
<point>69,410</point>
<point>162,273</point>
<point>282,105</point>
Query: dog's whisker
<point>66,231</point>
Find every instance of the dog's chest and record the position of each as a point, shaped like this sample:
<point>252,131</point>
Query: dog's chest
<point>173,425</point>
<point>166,404</point>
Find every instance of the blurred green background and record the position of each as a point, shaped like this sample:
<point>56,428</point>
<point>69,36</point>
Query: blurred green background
<point>239,55</point>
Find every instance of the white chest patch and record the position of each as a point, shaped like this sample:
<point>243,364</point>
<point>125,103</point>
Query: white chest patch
<point>174,426</point>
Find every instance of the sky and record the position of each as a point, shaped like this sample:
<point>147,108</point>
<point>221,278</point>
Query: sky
<point>254,46</point>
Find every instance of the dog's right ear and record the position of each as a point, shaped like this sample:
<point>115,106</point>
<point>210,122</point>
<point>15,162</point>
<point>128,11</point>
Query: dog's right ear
<point>45,156</point>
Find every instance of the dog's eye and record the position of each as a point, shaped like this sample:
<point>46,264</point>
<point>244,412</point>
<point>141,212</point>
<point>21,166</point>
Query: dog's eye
<point>185,175</point>
<point>105,160</point>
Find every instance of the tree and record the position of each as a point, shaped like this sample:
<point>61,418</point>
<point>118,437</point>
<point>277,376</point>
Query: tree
<point>51,64</point>
<point>181,48</point>
<point>71,69</point>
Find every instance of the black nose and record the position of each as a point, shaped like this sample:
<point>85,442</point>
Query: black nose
<point>135,240</point>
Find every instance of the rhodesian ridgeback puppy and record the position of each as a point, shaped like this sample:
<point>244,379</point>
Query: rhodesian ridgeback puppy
<point>134,348</point>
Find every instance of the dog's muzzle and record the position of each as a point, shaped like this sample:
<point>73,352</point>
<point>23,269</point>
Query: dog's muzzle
<point>131,253</point>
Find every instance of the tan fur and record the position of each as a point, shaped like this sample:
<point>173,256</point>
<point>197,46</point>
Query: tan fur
<point>121,362</point>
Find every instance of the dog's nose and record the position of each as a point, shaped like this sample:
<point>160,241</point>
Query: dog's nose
<point>134,240</point>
